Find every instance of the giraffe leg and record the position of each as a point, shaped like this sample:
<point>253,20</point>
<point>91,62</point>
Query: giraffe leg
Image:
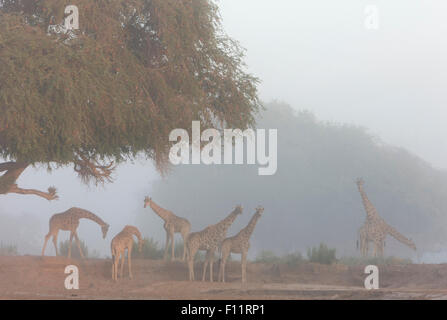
<point>114,256</point>
<point>69,245</point>
<point>225,253</point>
<point>129,261</point>
<point>120,263</point>
<point>191,269</point>
<point>116,263</point>
<point>172,246</point>
<point>78,244</point>
<point>113,267</point>
<point>376,249</point>
<point>211,265</point>
<point>123,256</point>
<point>205,266</point>
<point>184,235</point>
<point>190,260</point>
<point>55,242</point>
<point>244,266</point>
<point>366,248</point>
<point>47,237</point>
<point>165,257</point>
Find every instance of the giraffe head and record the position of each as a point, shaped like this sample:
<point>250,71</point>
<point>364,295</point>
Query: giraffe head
<point>104,230</point>
<point>360,182</point>
<point>147,201</point>
<point>259,210</point>
<point>238,209</point>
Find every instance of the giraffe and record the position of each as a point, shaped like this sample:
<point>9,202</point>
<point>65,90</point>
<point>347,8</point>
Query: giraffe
<point>362,242</point>
<point>69,221</point>
<point>240,243</point>
<point>375,229</point>
<point>119,244</point>
<point>173,224</point>
<point>208,239</point>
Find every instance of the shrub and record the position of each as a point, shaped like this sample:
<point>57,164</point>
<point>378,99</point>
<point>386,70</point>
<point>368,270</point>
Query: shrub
<point>63,249</point>
<point>267,256</point>
<point>292,259</point>
<point>321,254</point>
<point>150,250</point>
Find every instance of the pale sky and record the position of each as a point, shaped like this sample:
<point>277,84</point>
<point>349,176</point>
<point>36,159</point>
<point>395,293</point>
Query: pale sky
<point>318,55</point>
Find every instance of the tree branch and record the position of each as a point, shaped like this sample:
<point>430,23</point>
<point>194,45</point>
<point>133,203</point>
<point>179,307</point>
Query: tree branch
<point>50,195</point>
<point>88,169</point>
<point>8,181</point>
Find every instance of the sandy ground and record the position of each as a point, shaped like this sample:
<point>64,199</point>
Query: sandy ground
<point>29,277</point>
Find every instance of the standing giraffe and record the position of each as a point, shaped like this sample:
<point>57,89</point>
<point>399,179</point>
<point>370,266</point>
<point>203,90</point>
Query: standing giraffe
<point>119,244</point>
<point>208,239</point>
<point>69,221</point>
<point>173,224</point>
<point>375,229</point>
<point>240,243</point>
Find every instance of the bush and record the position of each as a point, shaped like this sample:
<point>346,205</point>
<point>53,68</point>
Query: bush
<point>153,250</point>
<point>8,250</point>
<point>63,249</point>
<point>292,259</point>
<point>267,256</point>
<point>150,250</point>
<point>321,254</point>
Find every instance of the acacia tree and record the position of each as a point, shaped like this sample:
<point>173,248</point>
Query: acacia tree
<point>114,88</point>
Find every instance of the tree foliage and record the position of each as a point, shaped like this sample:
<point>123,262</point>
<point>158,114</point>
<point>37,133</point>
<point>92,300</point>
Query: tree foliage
<point>135,70</point>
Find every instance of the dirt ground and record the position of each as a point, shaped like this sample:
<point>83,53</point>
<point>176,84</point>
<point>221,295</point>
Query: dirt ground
<point>30,277</point>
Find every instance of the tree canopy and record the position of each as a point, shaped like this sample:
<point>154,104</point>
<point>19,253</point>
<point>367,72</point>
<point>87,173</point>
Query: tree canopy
<point>135,70</point>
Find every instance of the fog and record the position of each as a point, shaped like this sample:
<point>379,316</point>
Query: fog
<point>315,55</point>
<point>318,55</point>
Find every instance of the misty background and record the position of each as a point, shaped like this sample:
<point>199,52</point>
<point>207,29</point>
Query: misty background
<point>316,56</point>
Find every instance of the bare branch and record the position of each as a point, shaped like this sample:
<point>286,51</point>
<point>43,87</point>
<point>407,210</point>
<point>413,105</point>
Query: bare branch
<point>8,181</point>
<point>50,195</point>
<point>89,169</point>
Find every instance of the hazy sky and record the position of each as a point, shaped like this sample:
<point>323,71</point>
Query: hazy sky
<point>315,55</point>
<point>318,55</point>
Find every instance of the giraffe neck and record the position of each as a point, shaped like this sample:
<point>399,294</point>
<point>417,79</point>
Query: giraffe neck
<point>162,213</point>
<point>134,231</point>
<point>398,236</point>
<point>371,211</point>
<point>248,230</point>
<point>227,222</point>
<point>82,213</point>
